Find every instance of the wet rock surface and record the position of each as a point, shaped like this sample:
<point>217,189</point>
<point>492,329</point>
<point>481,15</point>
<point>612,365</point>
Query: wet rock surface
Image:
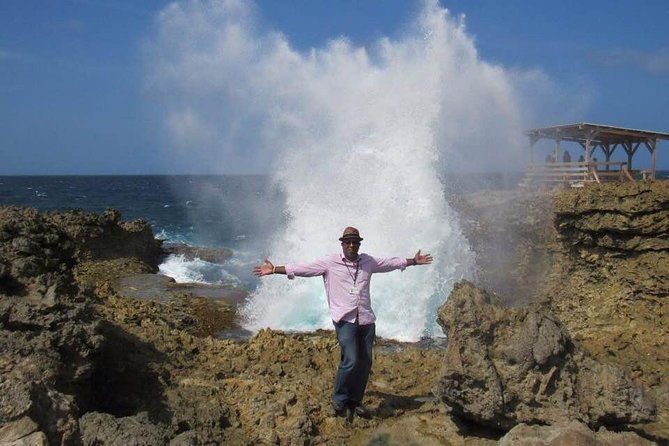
<point>162,288</point>
<point>212,255</point>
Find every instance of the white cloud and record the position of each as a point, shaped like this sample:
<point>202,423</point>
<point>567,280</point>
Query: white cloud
<point>656,62</point>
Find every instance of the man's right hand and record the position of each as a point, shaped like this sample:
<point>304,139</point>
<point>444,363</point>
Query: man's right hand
<point>265,269</point>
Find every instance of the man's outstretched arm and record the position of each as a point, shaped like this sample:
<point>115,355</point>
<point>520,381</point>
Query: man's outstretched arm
<point>268,268</point>
<point>420,259</point>
<point>387,264</point>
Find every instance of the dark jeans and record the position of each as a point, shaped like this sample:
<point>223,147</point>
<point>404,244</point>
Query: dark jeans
<point>355,342</point>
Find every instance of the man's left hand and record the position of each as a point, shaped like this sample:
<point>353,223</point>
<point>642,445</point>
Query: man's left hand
<point>422,259</point>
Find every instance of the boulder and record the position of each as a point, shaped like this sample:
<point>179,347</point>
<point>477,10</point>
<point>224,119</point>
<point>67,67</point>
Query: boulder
<point>36,257</point>
<point>508,366</point>
<point>105,236</point>
<point>101,429</point>
<point>22,432</point>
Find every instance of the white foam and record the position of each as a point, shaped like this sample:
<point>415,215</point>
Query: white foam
<point>368,157</point>
<point>162,235</point>
<point>196,270</point>
<point>359,136</point>
<point>172,237</point>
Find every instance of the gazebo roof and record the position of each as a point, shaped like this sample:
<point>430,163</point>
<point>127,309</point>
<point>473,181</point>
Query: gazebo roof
<point>595,133</point>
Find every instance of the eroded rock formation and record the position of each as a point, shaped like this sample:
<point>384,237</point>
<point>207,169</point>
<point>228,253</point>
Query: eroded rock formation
<point>83,363</point>
<point>509,366</point>
<point>47,332</point>
<point>610,282</point>
<point>51,340</point>
<point>597,262</point>
<point>106,236</point>
<point>213,255</point>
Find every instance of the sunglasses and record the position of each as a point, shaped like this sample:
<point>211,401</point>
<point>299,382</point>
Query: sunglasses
<point>351,242</point>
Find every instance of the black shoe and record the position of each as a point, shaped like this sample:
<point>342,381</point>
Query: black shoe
<point>361,411</point>
<point>338,409</point>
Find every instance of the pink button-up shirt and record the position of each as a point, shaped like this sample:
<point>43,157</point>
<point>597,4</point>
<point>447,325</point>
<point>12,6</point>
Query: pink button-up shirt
<point>348,296</point>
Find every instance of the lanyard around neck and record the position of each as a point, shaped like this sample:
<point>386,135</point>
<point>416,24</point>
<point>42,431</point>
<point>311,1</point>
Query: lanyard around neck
<point>357,268</point>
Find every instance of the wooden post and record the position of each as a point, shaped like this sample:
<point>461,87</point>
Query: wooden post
<point>533,141</point>
<point>628,149</point>
<point>628,175</point>
<point>595,176</point>
<point>591,134</point>
<point>634,149</point>
<point>653,157</point>
<point>557,149</point>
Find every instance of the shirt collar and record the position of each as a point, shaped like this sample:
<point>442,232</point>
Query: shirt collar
<point>344,259</point>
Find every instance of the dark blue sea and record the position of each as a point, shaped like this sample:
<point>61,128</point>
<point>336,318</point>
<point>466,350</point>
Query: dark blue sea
<point>218,211</point>
<point>196,210</point>
<point>235,212</point>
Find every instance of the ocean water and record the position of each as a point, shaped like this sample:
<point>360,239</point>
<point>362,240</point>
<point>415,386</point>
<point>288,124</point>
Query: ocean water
<point>235,212</point>
<point>244,214</point>
<point>352,134</point>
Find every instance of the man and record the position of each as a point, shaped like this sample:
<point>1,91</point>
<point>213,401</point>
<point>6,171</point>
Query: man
<point>347,277</point>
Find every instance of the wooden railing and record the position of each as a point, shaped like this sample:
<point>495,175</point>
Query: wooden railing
<point>618,173</point>
<point>577,174</point>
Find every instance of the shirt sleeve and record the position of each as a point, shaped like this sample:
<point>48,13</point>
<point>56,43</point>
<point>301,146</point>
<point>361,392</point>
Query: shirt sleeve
<point>316,268</point>
<point>387,264</point>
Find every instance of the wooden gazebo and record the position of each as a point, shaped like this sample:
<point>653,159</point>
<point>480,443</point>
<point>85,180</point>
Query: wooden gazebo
<point>605,137</point>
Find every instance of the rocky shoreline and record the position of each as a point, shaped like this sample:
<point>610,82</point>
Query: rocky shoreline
<point>561,341</point>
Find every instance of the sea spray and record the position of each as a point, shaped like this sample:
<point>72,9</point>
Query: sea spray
<point>358,136</point>
<point>368,157</point>
<point>196,270</point>
<point>386,185</point>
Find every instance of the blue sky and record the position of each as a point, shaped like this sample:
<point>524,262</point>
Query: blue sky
<point>73,94</point>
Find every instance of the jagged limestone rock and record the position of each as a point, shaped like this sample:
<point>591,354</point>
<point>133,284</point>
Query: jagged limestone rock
<point>509,366</point>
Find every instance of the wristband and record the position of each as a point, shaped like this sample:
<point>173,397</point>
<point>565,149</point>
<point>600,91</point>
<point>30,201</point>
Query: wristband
<point>273,269</point>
